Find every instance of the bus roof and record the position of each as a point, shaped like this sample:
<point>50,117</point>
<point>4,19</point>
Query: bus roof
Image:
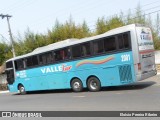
<point>73,41</point>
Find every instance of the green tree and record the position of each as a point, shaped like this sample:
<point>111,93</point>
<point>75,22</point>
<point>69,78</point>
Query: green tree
<point>5,52</point>
<point>114,22</point>
<point>101,26</point>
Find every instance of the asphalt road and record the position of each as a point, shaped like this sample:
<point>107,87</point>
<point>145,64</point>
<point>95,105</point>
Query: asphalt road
<point>142,96</point>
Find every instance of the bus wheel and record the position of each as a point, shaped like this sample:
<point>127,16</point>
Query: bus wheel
<point>94,84</point>
<point>76,85</point>
<point>22,90</point>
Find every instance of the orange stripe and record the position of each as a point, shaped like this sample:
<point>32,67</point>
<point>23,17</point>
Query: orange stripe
<point>94,61</point>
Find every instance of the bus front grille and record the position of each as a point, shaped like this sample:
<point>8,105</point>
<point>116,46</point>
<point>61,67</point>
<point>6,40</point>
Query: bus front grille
<point>125,73</point>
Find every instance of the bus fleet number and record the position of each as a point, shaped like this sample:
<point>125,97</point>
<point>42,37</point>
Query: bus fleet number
<point>125,58</point>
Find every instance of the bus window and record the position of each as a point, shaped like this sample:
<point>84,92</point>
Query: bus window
<point>31,61</point>
<point>45,58</point>
<point>86,49</point>
<point>110,44</point>
<point>76,51</point>
<point>42,59</point>
<point>126,40</point>
<point>49,57</point>
<point>120,42</point>
<point>69,53</point>
<point>9,64</point>
<point>123,41</point>
<point>19,64</point>
<point>62,54</point>
<point>34,60</point>
<point>98,47</point>
<point>57,55</point>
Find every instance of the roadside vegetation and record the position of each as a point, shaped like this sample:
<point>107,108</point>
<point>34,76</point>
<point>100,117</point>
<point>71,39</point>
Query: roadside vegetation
<point>69,29</point>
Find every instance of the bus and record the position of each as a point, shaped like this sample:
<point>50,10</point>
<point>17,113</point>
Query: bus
<point>118,57</point>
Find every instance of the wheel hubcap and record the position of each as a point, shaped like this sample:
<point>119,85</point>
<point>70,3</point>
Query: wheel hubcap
<point>22,89</point>
<point>76,85</point>
<point>93,84</point>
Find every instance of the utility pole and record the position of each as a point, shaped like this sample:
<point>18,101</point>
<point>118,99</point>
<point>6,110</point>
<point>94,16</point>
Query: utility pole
<point>10,33</point>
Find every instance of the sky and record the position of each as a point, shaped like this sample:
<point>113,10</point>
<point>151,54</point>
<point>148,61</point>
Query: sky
<point>40,15</point>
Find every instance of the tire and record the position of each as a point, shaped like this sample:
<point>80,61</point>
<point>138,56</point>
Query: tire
<point>22,90</point>
<point>93,84</point>
<point>76,85</point>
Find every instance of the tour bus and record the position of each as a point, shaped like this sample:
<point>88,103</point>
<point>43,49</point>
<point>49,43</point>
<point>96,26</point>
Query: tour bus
<point>118,57</point>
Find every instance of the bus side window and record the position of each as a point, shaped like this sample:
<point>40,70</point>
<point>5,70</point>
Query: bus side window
<point>49,57</point>
<point>42,59</point>
<point>60,55</point>
<point>110,44</point>
<point>31,61</point>
<point>45,58</point>
<point>76,51</point>
<point>86,49</point>
<point>69,53</point>
<point>120,41</point>
<point>57,55</point>
<point>126,40</point>
<point>123,41</point>
<point>98,47</point>
<point>34,60</point>
<point>19,64</point>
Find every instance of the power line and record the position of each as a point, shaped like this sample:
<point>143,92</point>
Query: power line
<point>134,13</point>
<point>4,39</point>
<point>142,6</point>
<point>64,10</point>
<point>117,14</point>
<point>10,33</point>
<point>132,17</point>
<point>151,3</point>
<point>148,13</point>
<point>17,5</point>
<point>60,12</point>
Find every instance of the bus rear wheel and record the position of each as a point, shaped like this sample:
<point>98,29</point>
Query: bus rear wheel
<point>76,85</point>
<point>22,90</point>
<point>93,84</point>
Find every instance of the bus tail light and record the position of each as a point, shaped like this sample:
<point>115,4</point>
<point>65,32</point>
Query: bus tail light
<point>139,66</point>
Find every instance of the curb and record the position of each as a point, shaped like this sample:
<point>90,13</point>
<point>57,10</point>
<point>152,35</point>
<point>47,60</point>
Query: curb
<point>4,91</point>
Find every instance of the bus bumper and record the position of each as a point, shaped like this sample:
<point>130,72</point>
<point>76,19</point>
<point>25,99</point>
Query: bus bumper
<point>146,75</point>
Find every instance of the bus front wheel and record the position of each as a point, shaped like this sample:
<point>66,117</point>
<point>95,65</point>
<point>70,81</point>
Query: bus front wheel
<point>22,90</point>
<point>93,84</point>
<point>76,85</point>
